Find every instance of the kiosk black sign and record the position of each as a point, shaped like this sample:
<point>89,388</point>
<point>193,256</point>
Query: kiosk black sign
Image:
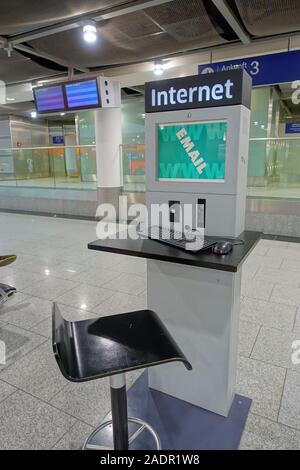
<point>199,91</point>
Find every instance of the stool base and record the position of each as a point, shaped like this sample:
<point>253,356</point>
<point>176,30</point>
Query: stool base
<point>143,426</point>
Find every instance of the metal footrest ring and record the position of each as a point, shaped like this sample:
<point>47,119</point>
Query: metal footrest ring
<point>143,427</point>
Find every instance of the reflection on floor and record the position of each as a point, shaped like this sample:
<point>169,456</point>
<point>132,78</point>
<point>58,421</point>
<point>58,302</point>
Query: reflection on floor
<point>61,183</point>
<point>54,264</point>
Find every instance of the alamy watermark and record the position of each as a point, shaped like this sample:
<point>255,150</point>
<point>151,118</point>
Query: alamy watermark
<point>177,221</point>
<point>296,353</point>
<point>2,353</point>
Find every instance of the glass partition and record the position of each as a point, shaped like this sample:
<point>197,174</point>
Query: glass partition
<point>274,168</point>
<point>274,152</point>
<point>65,167</point>
<point>133,165</point>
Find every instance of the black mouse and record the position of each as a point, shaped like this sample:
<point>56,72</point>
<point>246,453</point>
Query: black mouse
<point>222,248</point>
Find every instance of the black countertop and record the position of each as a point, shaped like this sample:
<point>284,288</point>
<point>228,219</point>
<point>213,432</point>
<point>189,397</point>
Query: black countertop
<point>151,249</point>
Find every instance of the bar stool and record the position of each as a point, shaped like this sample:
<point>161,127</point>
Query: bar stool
<point>5,290</point>
<point>110,347</point>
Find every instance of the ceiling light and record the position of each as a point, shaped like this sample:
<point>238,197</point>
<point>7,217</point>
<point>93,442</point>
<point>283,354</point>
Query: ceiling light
<point>158,67</point>
<point>10,99</point>
<point>33,114</point>
<point>62,114</point>
<point>90,32</point>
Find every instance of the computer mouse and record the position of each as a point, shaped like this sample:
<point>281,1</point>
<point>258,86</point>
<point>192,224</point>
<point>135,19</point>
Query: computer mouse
<point>222,248</point>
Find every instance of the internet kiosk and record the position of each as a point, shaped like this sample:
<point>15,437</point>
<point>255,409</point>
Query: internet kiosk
<point>197,138</point>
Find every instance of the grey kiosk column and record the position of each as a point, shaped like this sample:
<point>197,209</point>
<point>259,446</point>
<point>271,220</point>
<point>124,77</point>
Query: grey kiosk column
<point>200,306</point>
<point>108,130</point>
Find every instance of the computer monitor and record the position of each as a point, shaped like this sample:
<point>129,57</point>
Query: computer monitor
<point>192,152</point>
<point>49,99</point>
<point>82,94</point>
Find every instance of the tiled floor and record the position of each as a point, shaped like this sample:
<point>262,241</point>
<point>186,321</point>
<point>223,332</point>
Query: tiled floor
<point>39,409</point>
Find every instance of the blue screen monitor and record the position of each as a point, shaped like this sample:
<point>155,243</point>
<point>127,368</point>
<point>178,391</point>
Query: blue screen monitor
<point>82,94</point>
<point>49,99</point>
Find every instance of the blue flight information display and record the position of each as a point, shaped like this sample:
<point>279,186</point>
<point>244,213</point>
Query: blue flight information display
<point>49,99</point>
<point>83,94</point>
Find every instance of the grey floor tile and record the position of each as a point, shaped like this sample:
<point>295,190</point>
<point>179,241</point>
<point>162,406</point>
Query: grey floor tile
<point>274,347</point>
<point>261,250</point>
<point>36,373</point>
<point>85,297</point>
<point>89,401</point>
<point>263,434</point>
<point>17,342</point>
<point>5,391</point>
<point>62,270</point>
<point>291,265</point>
<point>28,423</point>
<point>13,300</point>
<point>284,253</point>
<point>44,328</point>
<point>26,313</point>
<point>132,266</point>
<point>121,303</point>
<point>263,383</point>
<point>100,259</point>
<point>257,289</point>
<point>278,276</point>
<point>266,261</point>
<point>249,271</point>
<point>279,316</point>
<point>247,335</point>
<point>284,294</point>
<point>50,289</point>
<point>96,276</point>
<point>21,280</point>
<point>128,283</point>
<point>290,407</point>
<point>297,323</point>
<point>75,438</point>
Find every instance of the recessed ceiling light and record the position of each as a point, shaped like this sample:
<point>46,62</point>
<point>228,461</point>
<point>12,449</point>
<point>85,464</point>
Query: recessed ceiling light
<point>33,114</point>
<point>158,67</point>
<point>10,99</point>
<point>90,31</point>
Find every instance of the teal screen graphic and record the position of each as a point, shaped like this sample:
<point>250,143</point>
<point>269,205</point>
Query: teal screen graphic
<point>194,152</point>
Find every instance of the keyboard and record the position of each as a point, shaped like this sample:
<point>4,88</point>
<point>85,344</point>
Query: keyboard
<point>192,241</point>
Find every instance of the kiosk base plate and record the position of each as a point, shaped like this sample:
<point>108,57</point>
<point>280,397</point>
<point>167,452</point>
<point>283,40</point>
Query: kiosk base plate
<point>180,425</point>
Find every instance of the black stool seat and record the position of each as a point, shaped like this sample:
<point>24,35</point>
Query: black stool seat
<point>96,348</point>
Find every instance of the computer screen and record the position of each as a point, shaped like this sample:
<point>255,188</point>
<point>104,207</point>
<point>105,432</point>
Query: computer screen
<point>49,99</point>
<point>192,151</point>
<point>82,94</point>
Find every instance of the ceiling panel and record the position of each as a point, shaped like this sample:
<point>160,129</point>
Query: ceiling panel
<point>18,16</point>
<point>269,17</point>
<point>173,27</point>
<point>18,68</point>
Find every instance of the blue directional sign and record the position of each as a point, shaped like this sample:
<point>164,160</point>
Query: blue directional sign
<point>292,128</point>
<point>268,69</point>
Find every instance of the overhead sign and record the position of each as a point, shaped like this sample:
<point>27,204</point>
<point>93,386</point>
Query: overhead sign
<point>292,128</point>
<point>207,91</point>
<point>268,69</point>
<point>58,140</point>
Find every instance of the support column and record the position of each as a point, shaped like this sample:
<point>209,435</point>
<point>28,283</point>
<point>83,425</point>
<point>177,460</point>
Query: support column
<point>108,131</point>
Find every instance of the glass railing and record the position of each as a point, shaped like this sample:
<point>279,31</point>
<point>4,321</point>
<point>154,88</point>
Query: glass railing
<point>133,168</point>
<point>274,168</point>
<point>66,167</point>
